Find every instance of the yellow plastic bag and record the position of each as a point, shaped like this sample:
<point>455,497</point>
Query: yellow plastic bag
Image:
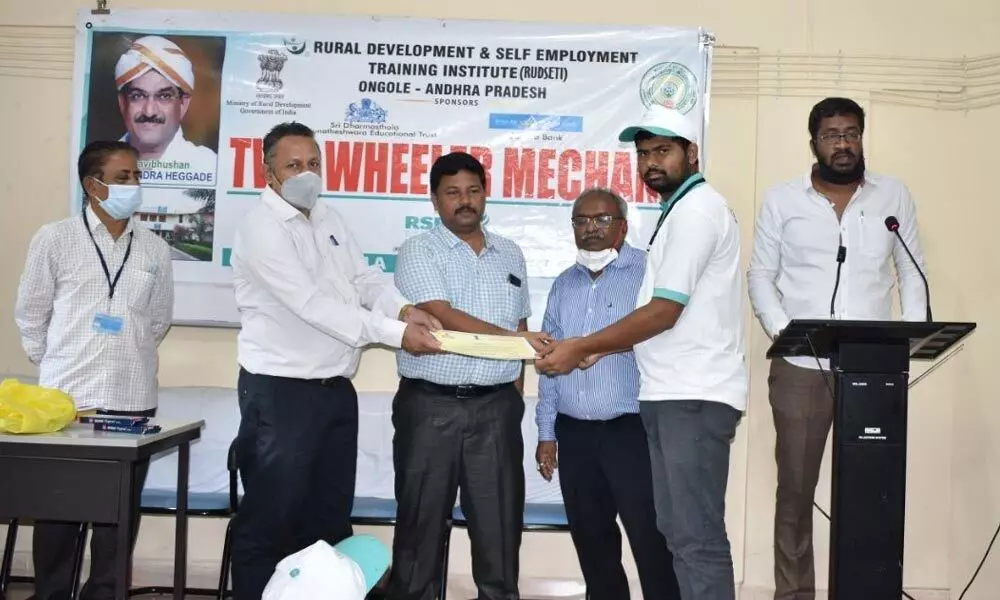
<point>33,409</point>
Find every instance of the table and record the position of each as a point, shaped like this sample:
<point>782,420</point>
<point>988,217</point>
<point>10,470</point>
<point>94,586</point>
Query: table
<point>83,475</point>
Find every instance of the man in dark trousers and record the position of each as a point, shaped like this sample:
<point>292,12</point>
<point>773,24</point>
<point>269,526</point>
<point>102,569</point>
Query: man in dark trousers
<point>96,298</point>
<point>457,418</point>
<point>308,305</point>
<point>593,414</point>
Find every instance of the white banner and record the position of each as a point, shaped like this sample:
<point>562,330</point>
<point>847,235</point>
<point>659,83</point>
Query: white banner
<point>539,104</point>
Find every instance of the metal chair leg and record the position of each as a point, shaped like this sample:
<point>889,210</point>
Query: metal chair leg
<point>8,557</point>
<point>227,560</point>
<point>81,544</point>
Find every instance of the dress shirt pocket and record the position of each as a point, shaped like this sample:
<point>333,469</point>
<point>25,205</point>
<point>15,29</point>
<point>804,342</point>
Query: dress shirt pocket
<point>511,311</point>
<point>876,239</point>
<point>138,285</point>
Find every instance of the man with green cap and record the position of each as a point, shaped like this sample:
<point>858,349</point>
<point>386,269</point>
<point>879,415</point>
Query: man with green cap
<point>348,571</point>
<point>688,336</point>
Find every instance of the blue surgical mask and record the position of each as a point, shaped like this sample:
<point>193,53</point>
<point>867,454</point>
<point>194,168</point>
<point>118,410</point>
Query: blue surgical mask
<point>123,200</point>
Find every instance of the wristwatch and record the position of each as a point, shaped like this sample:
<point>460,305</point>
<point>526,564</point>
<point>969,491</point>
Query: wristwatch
<point>402,312</point>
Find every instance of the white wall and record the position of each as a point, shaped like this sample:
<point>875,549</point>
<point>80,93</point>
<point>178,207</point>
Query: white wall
<point>774,60</point>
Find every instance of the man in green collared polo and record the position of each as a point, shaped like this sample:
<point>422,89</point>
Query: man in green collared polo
<point>688,336</point>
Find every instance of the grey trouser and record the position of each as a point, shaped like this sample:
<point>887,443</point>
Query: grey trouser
<point>689,442</point>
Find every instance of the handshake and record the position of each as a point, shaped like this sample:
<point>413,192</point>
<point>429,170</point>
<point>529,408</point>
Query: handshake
<point>561,357</point>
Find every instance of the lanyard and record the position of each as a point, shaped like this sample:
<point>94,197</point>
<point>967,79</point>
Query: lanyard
<point>670,207</point>
<point>112,284</point>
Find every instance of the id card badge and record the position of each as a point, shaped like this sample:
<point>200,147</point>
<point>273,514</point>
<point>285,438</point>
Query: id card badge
<point>108,324</point>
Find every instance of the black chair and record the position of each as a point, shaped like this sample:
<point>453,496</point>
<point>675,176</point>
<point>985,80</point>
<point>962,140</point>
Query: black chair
<point>164,502</point>
<point>7,563</point>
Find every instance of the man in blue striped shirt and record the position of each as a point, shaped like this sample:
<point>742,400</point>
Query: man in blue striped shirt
<point>594,413</point>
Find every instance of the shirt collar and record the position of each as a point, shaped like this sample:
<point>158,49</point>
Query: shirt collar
<point>693,180</point>
<point>96,224</point>
<point>869,178</point>
<point>628,257</point>
<point>284,210</point>
<point>448,237</point>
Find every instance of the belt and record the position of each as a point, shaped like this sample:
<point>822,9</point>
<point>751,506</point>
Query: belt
<point>329,381</point>
<point>456,391</point>
<point>326,381</point>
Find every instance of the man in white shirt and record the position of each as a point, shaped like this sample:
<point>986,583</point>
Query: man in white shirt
<point>155,82</point>
<point>95,300</point>
<point>822,251</point>
<point>688,335</point>
<point>309,303</point>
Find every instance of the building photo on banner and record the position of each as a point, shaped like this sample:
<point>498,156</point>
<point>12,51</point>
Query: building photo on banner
<point>539,105</point>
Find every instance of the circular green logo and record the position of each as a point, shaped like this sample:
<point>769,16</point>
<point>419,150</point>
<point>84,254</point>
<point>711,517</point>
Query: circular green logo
<point>293,573</point>
<point>669,84</point>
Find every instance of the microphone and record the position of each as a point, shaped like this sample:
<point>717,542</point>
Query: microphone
<point>841,256</point>
<point>892,224</point>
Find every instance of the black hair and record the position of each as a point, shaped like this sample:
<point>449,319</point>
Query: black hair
<point>643,135</point>
<point>284,130</point>
<point>96,154</point>
<point>451,164</point>
<point>834,107</point>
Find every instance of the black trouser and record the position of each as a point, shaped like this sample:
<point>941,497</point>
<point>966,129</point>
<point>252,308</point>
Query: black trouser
<point>604,471</point>
<point>297,452</point>
<point>54,544</point>
<point>446,438</point>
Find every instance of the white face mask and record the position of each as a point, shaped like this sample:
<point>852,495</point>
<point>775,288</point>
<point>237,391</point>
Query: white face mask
<point>122,201</point>
<point>302,190</point>
<point>596,260</point>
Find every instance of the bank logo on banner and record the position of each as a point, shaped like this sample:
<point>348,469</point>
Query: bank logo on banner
<point>670,84</point>
<point>271,65</point>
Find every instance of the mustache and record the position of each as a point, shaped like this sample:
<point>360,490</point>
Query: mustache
<point>150,119</point>
<point>846,153</point>
<point>654,171</point>
<point>462,209</point>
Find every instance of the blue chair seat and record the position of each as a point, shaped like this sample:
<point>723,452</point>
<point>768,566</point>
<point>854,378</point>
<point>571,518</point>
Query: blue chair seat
<point>536,516</point>
<point>166,500</point>
<point>374,510</point>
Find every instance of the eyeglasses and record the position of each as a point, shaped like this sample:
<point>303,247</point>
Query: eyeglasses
<point>600,221</point>
<point>165,96</point>
<point>832,138</point>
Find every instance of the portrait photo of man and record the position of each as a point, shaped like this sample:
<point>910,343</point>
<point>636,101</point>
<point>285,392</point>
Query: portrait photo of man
<point>166,103</point>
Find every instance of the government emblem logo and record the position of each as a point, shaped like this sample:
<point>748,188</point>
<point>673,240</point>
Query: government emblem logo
<point>669,84</point>
<point>271,65</point>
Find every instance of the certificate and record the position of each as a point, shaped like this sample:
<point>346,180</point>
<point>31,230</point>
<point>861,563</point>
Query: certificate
<point>499,347</point>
